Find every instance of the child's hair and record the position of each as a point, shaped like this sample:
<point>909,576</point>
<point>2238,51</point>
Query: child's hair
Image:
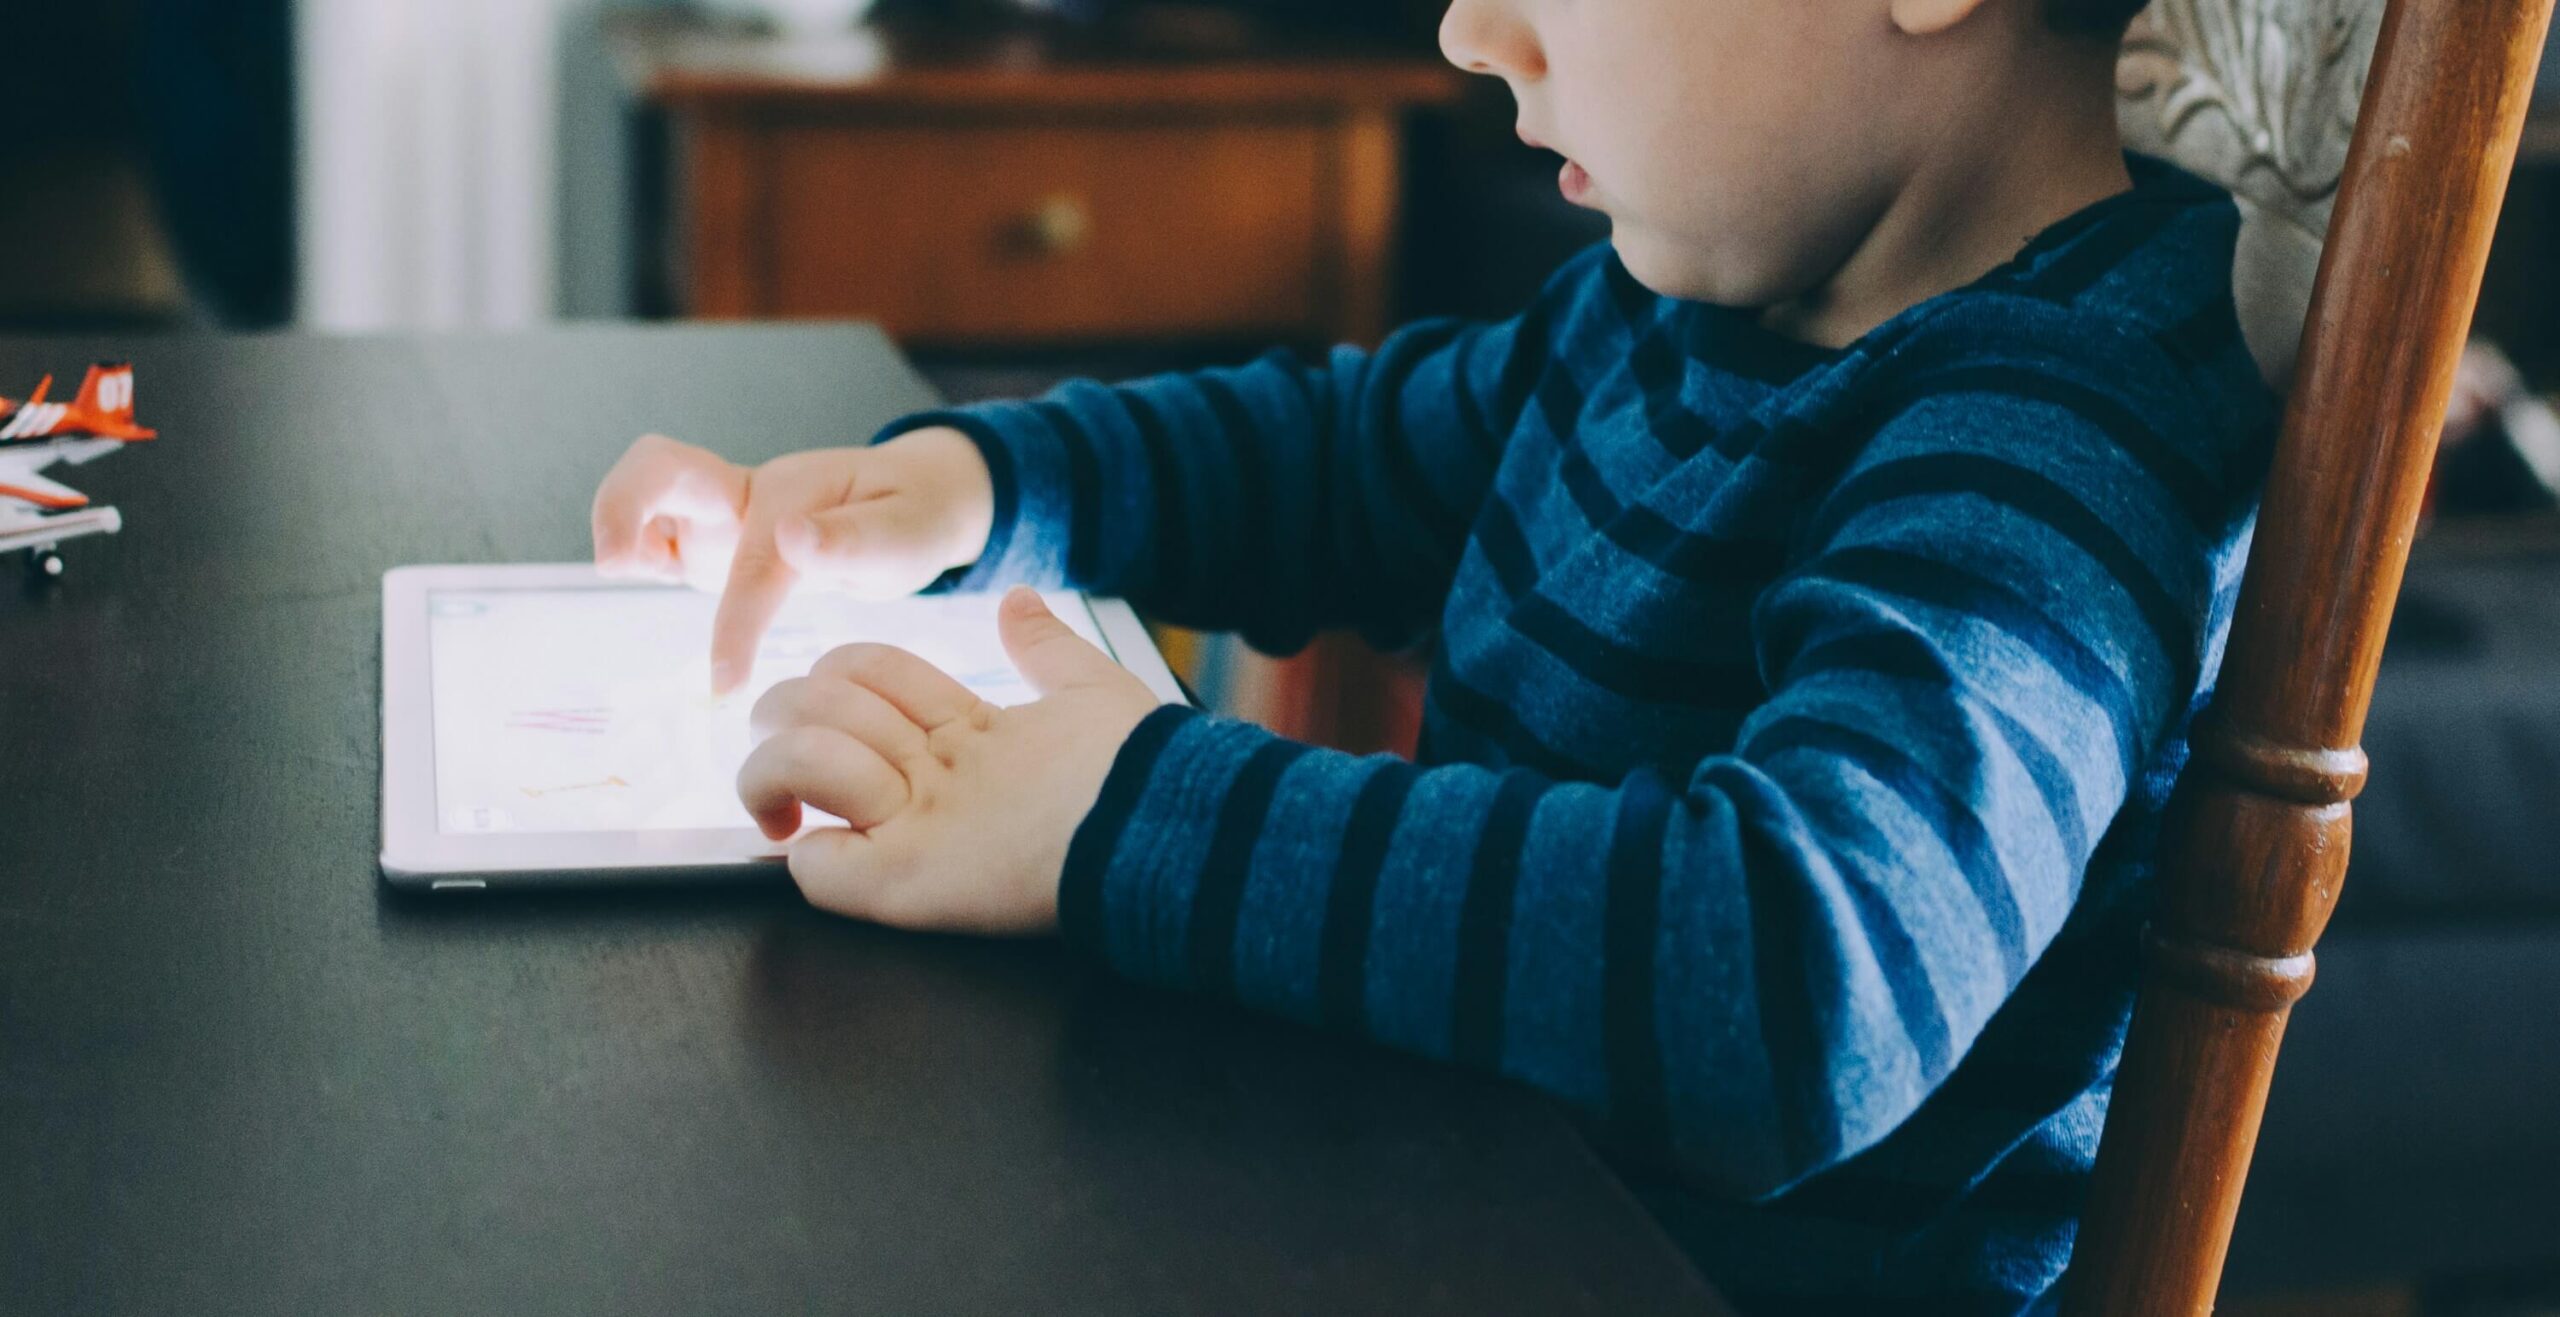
<point>2092,18</point>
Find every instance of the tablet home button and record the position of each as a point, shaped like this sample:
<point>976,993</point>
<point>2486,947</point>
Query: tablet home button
<point>458,885</point>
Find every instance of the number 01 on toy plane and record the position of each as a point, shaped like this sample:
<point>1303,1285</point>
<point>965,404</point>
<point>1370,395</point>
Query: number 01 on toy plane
<point>36,514</point>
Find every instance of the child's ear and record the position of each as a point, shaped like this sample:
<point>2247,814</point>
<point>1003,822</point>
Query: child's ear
<point>1926,18</point>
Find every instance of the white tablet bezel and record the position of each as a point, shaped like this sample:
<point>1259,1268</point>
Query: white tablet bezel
<point>417,853</point>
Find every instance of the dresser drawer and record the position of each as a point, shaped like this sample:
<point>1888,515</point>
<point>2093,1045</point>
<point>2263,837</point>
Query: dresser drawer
<point>1026,231</point>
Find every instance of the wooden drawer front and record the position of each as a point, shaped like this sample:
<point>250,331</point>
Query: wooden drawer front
<point>949,233</point>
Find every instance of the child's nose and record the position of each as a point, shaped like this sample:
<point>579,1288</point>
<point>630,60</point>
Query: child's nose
<point>1485,36</point>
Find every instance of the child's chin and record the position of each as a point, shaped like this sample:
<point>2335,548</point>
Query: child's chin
<point>1680,270</point>
<point>1663,267</point>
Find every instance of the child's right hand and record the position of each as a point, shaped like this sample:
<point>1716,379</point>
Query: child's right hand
<point>879,522</point>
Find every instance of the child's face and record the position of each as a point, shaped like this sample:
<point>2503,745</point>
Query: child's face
<point>1741,148</point>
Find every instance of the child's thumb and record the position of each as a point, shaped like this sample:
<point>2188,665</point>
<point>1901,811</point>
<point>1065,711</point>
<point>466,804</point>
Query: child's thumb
<point>1048,653</point>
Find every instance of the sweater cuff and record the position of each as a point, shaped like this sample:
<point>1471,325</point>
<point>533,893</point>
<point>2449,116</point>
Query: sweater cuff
<point>1026,542</point>
<point>1135,864</point>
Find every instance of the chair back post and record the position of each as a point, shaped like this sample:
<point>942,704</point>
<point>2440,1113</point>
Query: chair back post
<point>2258,841</point>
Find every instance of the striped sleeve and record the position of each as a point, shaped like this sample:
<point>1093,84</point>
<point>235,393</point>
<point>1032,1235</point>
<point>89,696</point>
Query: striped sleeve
<point>1275,499</point>
<point>1760,966</point>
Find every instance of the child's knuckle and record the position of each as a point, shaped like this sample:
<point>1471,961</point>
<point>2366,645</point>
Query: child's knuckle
<point>781,706</point>
<point>855,662</point>
<point>801,753</point>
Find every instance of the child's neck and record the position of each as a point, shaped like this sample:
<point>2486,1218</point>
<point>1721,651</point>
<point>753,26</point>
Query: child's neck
<point>1966,209</point>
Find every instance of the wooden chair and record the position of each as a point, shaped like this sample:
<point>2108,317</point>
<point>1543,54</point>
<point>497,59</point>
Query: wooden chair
<point>2261,94</point>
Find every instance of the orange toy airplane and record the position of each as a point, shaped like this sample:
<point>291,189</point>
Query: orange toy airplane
<point>35,513</point>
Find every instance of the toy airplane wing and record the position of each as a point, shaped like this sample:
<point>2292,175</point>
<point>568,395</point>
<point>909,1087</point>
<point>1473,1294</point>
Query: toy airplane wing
<point>18,480</point>
<point>40,533</point>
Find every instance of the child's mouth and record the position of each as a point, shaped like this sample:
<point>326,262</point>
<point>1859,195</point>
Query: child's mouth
<point>1576,183</point>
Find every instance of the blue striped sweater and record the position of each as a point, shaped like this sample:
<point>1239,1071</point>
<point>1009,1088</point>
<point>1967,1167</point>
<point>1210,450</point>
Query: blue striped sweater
<point>1798,727</point>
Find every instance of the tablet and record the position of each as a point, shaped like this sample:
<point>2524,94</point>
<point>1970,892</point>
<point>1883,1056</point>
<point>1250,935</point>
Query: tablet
<point>543,725</point>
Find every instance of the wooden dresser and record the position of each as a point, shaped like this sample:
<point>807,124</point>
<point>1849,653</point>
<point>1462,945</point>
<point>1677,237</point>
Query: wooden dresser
<point>1033,188</point>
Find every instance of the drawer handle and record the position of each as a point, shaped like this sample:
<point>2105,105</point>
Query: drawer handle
<point>1058,225</point>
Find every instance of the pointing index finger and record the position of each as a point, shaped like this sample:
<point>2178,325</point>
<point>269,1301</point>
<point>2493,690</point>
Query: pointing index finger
<point>759,581</point>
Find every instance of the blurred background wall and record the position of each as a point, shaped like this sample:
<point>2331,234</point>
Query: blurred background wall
<point>429,149</point>
<point>149,143</point>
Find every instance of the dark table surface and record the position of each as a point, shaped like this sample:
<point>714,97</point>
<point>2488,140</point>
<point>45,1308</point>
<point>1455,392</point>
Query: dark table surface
<point>237,1073</point>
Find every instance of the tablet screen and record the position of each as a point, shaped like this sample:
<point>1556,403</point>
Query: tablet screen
<point>589,710</point>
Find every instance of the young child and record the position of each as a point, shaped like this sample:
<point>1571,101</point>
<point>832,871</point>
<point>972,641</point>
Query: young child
<point>1824,571</point>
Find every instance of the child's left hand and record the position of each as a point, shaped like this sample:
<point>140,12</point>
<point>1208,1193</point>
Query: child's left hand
<point>961,811</point>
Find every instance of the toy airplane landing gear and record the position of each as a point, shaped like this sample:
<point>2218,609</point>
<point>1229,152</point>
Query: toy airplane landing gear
<point>41,536</point>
